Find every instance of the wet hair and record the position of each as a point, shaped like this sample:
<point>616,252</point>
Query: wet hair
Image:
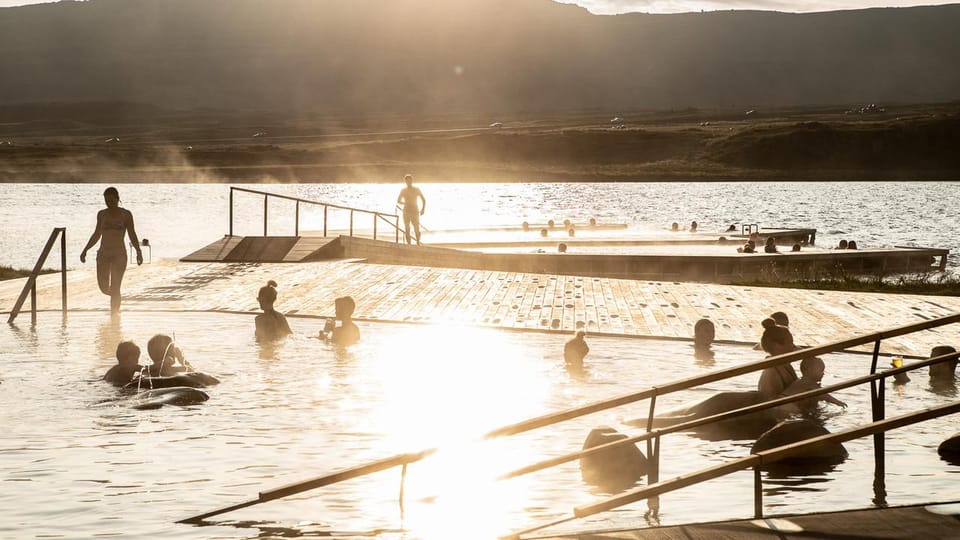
<point>408,177</point>
<point>158,346</point>
<point>675,226</point>
<point>344,306</point>
<point>796,247</point>
<point>842,244</point>
<point>780,318</point>
<point>943,369</point>
<point>852,244</point>
<point>127,351</point>
<point>550,224</point>
<point>111,191</point>
<point>268,292</point>
<point>773,334</point>
<point>562,248</point>
<point>809,363</point>
<point>704,332</point>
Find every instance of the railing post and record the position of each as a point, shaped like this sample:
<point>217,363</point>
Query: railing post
<point>325,208</point>
<point>757,493</point>
<point>396,229</point>
<point>33,304</point>
<point>63,269</point>
<point>351,223</point>
<point>403,481</point>
<point>265,214</point>
<point>296,220</point>
<point>231,210</point>
<point>653,460</point>
<point>375,216</point>
<point>877,391</point>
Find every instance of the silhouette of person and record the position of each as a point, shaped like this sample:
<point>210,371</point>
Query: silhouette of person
<point>693,226</point>
<point>944,371</point>
<point>852,244</point>
<point>770,246</point>
<point>842,244</point>
<point>347,333</point>
<point>410,197</point>
<point>575,350</point>
<point>128,356</point>
<point>704,332</point>
<point>271,324</point>
<point>165,354</point>
<point>112,223</point>
<point>811,373</point>
<point>776,340</point>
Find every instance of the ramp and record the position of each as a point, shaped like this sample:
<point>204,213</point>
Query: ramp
<point>268,249</point>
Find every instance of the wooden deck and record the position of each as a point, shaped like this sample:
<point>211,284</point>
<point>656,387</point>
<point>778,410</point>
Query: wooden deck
<point>917,522</point>
<point>511,300</point>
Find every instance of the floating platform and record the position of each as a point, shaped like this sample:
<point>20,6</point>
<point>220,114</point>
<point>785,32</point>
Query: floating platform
<point>714,263</point>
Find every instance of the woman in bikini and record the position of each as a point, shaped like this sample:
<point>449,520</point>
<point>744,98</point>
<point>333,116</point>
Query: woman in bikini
<point>112,223</point>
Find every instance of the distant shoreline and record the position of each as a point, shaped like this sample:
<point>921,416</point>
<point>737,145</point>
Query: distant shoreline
<point>906,143</point>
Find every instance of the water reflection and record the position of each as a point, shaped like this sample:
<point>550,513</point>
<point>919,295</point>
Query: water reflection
<point>109,334</point>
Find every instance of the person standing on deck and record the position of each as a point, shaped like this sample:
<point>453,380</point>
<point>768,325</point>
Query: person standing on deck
<point>412,210</point>
<point>112,223</point>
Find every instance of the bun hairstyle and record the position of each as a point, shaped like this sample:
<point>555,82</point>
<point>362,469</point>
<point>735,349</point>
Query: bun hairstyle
<point>268,292</point>
<point>773,334</point>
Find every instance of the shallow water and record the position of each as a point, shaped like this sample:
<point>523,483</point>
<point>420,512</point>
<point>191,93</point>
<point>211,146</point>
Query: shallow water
<point>77,462</point>
<point>181,218</point>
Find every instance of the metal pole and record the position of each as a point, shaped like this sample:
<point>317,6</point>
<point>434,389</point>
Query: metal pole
<point>325,208</point>
<point>231,211</point>
<point>876,357</point>
<point>265,214</point>
<point>879,444</point>
<point>757,493</point>
<point>403,480</point>
<point>33,304</point>
<point>296,220</point>
<point>63,268</point>
<point>375,216</point>
<point>351,223</point>
<point>396,228</point>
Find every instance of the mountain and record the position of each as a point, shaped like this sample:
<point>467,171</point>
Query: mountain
<point>467,56</point>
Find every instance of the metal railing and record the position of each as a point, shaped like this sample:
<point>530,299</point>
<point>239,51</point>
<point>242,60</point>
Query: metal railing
<point>652,437</point>
<point>377,216</point>
<point>30,287</point>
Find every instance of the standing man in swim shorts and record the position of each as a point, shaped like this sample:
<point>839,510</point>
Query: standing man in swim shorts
<point>411,209</point>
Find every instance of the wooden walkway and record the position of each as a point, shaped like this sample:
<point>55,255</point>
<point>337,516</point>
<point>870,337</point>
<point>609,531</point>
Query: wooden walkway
<point>504,299</point>
<point>920,522</point>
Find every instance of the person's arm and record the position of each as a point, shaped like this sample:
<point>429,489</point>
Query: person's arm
<point>423,207</point>
<point>830,399</point>
<point>94,238</point>
<point>132,233</point>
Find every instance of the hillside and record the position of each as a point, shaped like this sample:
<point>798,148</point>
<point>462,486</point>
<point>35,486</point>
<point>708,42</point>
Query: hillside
<point>372,57</point>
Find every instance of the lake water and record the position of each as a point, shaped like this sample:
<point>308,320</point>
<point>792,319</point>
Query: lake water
<point>77,462</point>
<point>180,218</point>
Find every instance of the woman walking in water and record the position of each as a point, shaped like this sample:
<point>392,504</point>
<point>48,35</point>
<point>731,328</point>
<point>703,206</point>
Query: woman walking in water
<point>112,223</point>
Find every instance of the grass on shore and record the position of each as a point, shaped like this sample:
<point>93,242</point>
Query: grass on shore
<point>926,283</point>
<point>7,272</point>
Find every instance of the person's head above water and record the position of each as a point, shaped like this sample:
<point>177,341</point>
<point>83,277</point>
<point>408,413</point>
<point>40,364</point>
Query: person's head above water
<point>162,346</point>
<point>267,295</point>
<point>408,178</point>
<point>128,354</point>
<point>776,339</point>
<point>842,244</point>
<point>780,318</point>
<point>343,307</point>
<point>704,332</point>
<point>812,368</point>
<point>943,370</point>
<point>111,197</point>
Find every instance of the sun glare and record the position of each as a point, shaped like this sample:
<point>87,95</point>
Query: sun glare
<point>444,387</point>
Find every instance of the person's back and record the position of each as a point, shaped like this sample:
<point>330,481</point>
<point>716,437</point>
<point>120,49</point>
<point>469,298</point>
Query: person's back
<point>811,375</point>
<point>575,350</point>
<point>164,354</point>
<point>128,356</point>
<point>347,333</point>
<point>271,324</point>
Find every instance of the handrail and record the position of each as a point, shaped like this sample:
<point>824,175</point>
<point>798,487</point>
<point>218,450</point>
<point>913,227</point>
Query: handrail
<point>653,392</point>
<point>31,285</point>
<point>767,456</point>
<point>720,417</point>
<point>326,206</point>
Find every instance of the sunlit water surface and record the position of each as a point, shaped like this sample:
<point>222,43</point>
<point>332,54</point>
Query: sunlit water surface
<point>181,218</point>
<point>77,462</point>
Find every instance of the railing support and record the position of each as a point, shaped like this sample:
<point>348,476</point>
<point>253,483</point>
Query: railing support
<point>757,493</point>
<point>30,287</point>
<point>231,211</point>
<point>375,216</point>
<point>296,220</point>
<point>351,222</point>
<point>325,208</point>
<point>265,197</point>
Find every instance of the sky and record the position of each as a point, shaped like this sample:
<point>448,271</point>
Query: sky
<point>680,6</point>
